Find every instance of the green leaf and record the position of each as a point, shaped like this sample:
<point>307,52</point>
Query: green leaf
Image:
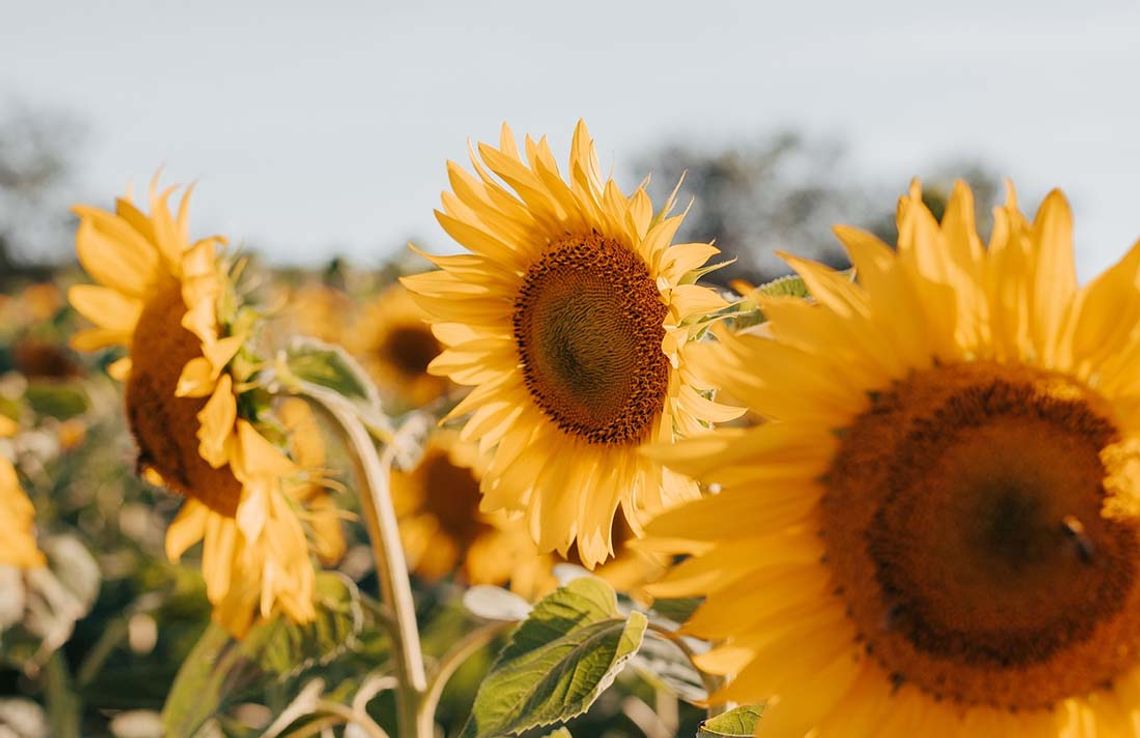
<point>677,609</point>
<point>61,401</point>
<point>287,649</point>
<point>663,665</point>
<point>200,686</point>
<point>558,661</point>
<point>219,667</point>
<point>738,722</point>
<point>330,366</point>
<point>789,286</point>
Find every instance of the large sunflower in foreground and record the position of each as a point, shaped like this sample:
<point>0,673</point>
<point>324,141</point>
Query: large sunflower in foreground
<point>189,374</point>
<point>17,516</point>
<point>936,532</point>
<point>570,319</point>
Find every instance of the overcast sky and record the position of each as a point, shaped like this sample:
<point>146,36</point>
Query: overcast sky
<point>321,126</point>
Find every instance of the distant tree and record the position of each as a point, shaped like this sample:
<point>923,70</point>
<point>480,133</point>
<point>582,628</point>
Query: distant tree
<point>784,192</point>
<point>37,155</point>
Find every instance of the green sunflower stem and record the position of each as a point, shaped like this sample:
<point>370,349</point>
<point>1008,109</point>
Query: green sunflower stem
<point>391,567</point>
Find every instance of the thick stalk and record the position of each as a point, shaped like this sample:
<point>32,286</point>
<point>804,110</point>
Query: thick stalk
<point>391,568</point>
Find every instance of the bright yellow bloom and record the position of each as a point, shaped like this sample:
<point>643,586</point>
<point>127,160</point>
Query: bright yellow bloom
<point>394,342</point>
<point>171,303</point>
<point>17,516</point>
<point>935,533</point>
<point>570,318</point>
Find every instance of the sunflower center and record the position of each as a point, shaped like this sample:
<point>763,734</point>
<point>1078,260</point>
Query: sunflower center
<point>971,530</point>
<point>452,497</point>
<point>165,427</point>
<point>410,349</point>
<point>588,323</point>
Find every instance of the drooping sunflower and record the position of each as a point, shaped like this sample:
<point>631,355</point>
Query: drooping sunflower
<point>395,344</point>
<point>570,318</point>
<point>17,516</point>
<point>936,531</point>
<point>172,304</point>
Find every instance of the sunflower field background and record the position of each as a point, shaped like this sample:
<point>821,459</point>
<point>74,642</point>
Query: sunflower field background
<point>611,371</point>
<point>115,637</point>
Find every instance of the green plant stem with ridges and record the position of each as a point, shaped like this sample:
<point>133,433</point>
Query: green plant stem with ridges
<point>391,568</point>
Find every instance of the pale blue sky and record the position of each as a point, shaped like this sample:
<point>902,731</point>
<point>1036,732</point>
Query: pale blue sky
<point>318,125</point>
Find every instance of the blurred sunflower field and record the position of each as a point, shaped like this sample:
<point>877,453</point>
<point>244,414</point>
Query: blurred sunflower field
<point>567,478</point>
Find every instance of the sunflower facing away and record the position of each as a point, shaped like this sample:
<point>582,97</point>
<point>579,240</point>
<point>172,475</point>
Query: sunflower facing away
<point>172,304</point>
<point>17,516</point>
<point>936,532</point>
<point>570,318</point>
<point>394,342</point>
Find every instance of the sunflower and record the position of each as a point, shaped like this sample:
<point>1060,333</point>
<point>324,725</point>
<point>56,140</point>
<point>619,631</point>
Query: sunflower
<point>188,376</point>
<point>936,531</point>
<point>319,311</point>
<point>444,532</point>
<point>570,318</point>
<point>441,527</point>
<point>394,342</point>
<point>17,516</point>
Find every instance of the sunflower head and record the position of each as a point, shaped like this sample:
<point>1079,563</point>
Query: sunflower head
<point>937,524</point>
<point>444,532</point>
<point>17,516</point>
<point>395,344</point>
<point>437,503</point>
<point>198,415</point>
<point>570,317</point>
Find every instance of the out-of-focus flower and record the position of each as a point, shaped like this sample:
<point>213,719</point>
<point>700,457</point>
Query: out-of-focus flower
<point>319,311</point>
<point>18,547</point>
<point>394,343</point>
<point>443,530</point>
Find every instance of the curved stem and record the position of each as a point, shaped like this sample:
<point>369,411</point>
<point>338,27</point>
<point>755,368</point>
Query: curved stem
<point>464,649</point>
<point>391,568</point>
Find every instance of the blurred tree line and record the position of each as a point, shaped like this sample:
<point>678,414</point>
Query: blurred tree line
<point>39,155</point>
<point>784,191</point>
<point>777,191</point>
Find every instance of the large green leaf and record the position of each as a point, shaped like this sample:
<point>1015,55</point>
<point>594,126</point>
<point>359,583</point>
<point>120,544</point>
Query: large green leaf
<point>220,668</point>
<point>565,654</point>
<point>737,723</point>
